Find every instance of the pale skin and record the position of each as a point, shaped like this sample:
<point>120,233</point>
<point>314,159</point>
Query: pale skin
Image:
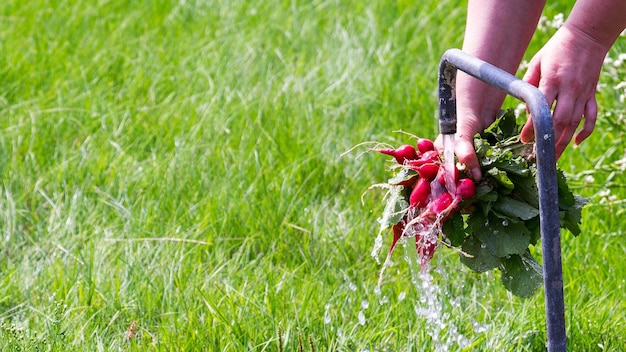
<point>566,69</point>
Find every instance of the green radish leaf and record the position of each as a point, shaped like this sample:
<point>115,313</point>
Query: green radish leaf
<point>481,146</point>
<point>572,217</point>
<point>533,225</point>
<point>526,189</point>
<point>482,189</point>
<point>481,259</point>
<point>454,230</point>
<point>515,166</point>
<point>501,177</point>
<point>514,208</point>
<point>507,124</point>
<point>500,237</point>
<point>485,194</point>
<point>402,176</point>
<point>502,216</point>
<point>395,208</point>
<point>566,197</point>
<point>489,197</point>
<point>521,274</point>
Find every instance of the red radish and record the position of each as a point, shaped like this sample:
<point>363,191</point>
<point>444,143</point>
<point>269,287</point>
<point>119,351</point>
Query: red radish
<point>442,175</point>
<point>431,156</point>
<point>405,177</point>
<point>465,189</point>
<point>441,203</point>
<point>428,170</point>
<point>401,154</point>
<point>425,145</point>
<point>420,194</point>
<point>398,229</point>
<point>418,162</point>
<point>428,157</point>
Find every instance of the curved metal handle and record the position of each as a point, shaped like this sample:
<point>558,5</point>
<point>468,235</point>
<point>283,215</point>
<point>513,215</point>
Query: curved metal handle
<point>454,59</point>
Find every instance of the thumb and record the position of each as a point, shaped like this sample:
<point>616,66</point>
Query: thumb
<point>464,150</point>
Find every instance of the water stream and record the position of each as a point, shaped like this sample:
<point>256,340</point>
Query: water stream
<point>432,305</point>
<point>448,161</point>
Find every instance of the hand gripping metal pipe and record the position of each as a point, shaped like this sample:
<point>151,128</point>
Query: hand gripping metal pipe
<point>454,59</point>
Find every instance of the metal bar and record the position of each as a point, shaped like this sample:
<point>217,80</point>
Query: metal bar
<point>454,59</point>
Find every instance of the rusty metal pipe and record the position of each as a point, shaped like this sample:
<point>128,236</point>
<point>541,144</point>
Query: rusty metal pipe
<point>454,59</point>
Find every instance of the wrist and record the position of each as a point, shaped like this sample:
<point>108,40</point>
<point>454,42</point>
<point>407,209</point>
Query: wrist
<point>589,40</point>
<point>600,22</point>
<point>478,103</point>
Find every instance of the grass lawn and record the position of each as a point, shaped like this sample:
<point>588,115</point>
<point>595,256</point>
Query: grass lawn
<point>172,180</point>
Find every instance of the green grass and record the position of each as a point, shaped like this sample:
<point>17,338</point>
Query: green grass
<point>177,164</point>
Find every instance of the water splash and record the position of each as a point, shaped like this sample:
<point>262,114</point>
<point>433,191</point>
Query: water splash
<point>439,324</point>
<point>351,285</point>
<point>401,296</point>
<point>480,328</point>
<point>378,244</point>
<point>327,317</point>
<point>382,299</point>
<point>361,317</point>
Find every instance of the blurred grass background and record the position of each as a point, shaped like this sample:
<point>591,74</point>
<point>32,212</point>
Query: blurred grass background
<point>172,180</point>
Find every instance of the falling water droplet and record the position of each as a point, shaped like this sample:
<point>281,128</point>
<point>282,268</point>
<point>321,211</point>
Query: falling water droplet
<point>462,341</point>
<point>448,159</point>
<point>479,328</point>
<point>361,318</point>
<point>383,300</point>
<point>401,296</point>
<point>378,244</point>
<point>365,304</point>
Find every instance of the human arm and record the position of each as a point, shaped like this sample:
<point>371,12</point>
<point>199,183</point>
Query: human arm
<point>567,68</point>
<point>497,32</point>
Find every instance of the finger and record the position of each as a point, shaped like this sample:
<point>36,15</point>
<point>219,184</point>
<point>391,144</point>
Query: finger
<point>439,143</point>
<point>533,74</point>
<point>564,118</point>
<point>591,114</point>
<point>527,134</point>
<point>569,127</point>
<point>464,150</point>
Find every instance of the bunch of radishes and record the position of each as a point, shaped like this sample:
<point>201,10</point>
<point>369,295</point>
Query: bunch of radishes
<point>492,223</point>
<point>425,182</point>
